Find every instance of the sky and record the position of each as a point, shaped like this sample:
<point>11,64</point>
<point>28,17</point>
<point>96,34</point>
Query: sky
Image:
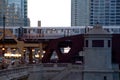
<point>51,13</point>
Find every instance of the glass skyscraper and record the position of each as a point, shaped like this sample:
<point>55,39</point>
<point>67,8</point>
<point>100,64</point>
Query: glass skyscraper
<point>106,12</point>
<point>79,12</point>
<point>15,12</point>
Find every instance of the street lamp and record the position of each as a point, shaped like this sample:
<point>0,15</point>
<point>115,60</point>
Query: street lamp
<point>3,47</point>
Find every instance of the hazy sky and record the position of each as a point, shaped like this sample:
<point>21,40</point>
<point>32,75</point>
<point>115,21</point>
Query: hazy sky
<point>50,12</point>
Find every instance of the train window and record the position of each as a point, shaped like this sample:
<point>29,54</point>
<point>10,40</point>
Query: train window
<point>25,30</point>
<point>33,30</point>
<point>76,30</point>
<point>62,30</point>
<point>16,30</point>
<point>11,30</point>
<point>39,30</point>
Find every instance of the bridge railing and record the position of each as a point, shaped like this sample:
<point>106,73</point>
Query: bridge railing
<point>13,73</point>
<point>26,69</point>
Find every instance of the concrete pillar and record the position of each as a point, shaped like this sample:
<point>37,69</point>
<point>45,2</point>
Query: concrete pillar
<point>30,55</point>
<point>41,52</point>
<point>20,46</point>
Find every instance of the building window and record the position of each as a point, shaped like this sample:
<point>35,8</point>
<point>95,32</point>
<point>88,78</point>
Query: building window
<point>86,43</point>
<point>109,43</point>
<point>97,43</point>
<point>105,78</point>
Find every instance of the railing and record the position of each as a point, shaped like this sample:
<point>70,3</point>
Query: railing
<point>56,70</point>
<point>13,73</point>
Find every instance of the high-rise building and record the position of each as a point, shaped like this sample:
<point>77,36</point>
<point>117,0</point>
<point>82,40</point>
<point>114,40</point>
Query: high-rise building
<point>89,12</point>
<point>79,12</point>
<point>15,12</point>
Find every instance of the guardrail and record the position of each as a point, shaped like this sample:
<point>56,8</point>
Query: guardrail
<point>15,73</point>
<point>53,71</point>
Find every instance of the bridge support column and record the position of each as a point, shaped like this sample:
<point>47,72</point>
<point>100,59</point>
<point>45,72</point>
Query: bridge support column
<point>20,46</point>
<point>30,55</point>
<point>41,52</point>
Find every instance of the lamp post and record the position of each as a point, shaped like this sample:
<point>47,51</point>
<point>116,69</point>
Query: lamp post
<point>3,46</point>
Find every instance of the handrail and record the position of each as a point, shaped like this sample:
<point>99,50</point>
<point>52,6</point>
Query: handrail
<point>13,71</point>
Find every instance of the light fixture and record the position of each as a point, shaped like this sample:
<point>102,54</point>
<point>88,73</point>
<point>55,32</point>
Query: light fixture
<point>33,50</point>
<point>37,55</point>
<point>3,49</point>
<point>10,54</point>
